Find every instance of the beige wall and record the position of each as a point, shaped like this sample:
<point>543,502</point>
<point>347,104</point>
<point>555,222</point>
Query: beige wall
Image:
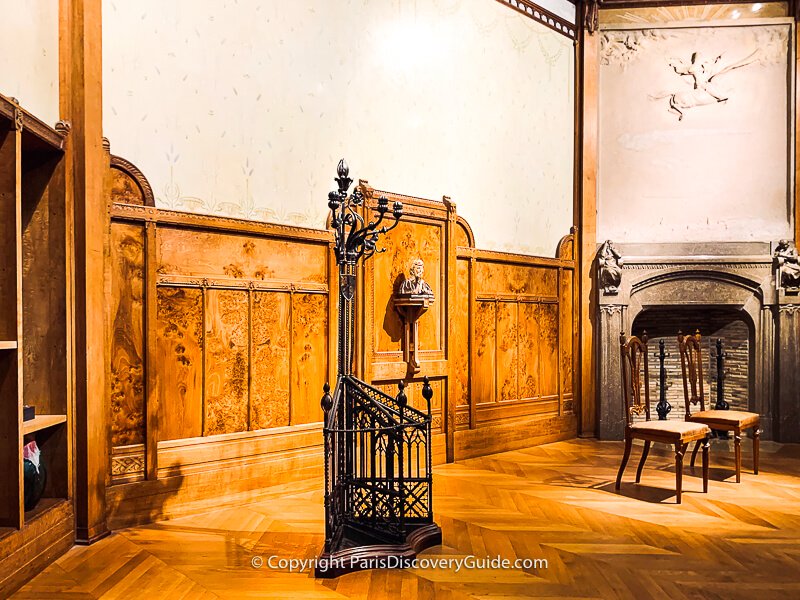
<point>29,55</point>
<point>244,108</point>
<point>690,157</point>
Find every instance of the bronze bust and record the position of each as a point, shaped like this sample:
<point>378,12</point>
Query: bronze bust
<point>414,284</point>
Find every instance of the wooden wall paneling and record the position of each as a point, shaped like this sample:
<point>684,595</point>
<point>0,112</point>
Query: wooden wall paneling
<point>449,326</point>
<point>459,315</point>
<point>270,366</point>
<point>225,373</point>
<point>484,375</point>
<point>81,103</point>
<point>472,324</point>
<point>127,335</point>
<point>153,383</point>
<point>11,492</point>
<point>177,368</point>
<point>589,61</point>
<point>309,360</point>
<point>549,345</point>
<point>796,116</point>
<point>531,370</point>
<point>507,328</point>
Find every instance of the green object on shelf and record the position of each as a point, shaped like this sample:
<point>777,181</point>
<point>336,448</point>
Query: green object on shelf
<point>35,475</point>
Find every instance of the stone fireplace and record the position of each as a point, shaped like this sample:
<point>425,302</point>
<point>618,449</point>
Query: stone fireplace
<point>727,291</point>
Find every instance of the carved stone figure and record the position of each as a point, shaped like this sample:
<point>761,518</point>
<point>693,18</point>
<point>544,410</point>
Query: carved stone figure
<point>414,283</point>
<point>788,267</point>
<point>610,262</point>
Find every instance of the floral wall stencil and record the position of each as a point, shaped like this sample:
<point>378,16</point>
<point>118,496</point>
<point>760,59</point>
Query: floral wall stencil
<point>29,56</point>
<point>242,108</point>
<point>694,133</point>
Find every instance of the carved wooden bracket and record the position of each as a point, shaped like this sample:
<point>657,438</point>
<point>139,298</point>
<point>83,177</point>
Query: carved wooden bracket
<point>411,307</point>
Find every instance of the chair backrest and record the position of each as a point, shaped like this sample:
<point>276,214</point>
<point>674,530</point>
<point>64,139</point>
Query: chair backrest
<point>692,371</point>
<point>633,353</point>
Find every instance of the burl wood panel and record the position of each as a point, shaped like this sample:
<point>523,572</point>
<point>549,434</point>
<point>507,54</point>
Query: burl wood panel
<point>493,278</point>
<point>226,362</point>
<point>179,359</point>
<point>567,331</point>
<point>309,352</point>
<point>548,349</point>
<point>484,370</point>
<point>125,189</point>
<point>409,241</point>
<point>127,334</point>
<point>460,350</point>
<point>240,256</point>
<point>529,349</point>
<point>269,364</point>
<point>507,351</point>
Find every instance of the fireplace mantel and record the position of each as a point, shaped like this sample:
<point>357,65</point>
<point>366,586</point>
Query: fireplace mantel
<point>632,278</point>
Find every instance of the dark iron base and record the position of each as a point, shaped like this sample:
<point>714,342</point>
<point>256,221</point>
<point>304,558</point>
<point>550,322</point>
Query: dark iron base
<point>355,553</point>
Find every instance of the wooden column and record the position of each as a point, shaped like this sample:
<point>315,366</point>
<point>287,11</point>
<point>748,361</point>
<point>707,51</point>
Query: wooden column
<point>80,85</point>
<point>586,214</point>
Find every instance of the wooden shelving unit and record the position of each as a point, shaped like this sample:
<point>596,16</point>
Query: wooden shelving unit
<point>35,276</point>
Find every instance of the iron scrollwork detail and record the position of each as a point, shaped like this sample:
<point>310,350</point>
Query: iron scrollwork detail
<point>378,463</point>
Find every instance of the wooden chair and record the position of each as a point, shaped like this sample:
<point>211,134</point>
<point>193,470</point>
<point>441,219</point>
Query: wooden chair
<point>724,420</point>
<point>675,433</point>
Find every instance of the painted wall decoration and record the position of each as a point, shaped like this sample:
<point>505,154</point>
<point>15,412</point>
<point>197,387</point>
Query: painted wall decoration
<point>29,55</point>
<point>240,108</point>
<point>693,133</point>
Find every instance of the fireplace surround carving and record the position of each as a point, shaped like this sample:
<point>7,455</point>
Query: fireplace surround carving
<point>736,277</point>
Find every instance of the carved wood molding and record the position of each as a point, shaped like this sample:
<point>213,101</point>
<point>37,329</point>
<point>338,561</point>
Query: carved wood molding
<point>134,212</point>
<point>232,283</point>
<point>543,16</point>
<point>132,171</point>
<point>512,258</point>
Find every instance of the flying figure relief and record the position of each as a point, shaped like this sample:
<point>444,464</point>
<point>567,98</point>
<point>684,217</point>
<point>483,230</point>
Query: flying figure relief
<point>701,75</point>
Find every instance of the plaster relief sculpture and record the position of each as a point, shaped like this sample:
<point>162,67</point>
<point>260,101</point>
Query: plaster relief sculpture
<point>610,262</point>
<point>700,75</point>
<point>787,263</point>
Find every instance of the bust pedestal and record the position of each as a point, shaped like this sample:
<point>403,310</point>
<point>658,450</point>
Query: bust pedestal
<point>411,307</point>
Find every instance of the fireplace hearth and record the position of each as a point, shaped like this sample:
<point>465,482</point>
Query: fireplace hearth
<point>727,291</point>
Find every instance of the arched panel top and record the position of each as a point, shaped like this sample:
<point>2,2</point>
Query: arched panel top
<point>464,235</point>
<point>128,183</point>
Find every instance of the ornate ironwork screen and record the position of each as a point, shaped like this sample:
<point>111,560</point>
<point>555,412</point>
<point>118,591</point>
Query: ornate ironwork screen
<point>377,448</point>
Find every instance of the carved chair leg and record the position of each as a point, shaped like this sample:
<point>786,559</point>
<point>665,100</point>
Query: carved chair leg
<point>756,444</point>
<point>737,446</point>
<point>694,452</point>
<point>641,460</point>
<point>625,457</point>
<point>680,449</point>
<point>706,443</point>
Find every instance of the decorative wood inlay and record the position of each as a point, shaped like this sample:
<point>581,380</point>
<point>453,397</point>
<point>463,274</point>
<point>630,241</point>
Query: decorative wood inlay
<point>225,366</point>
<point>128,183</point>
<point>269,362</point>
<point>127,463</point>
<point>309,348</point>
<point>127,334</point>
<point>180,339</point>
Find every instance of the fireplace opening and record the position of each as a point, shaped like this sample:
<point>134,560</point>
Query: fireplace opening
<point>729,325</point>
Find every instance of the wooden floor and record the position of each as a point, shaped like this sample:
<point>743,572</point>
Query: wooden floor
<point>554,502</point>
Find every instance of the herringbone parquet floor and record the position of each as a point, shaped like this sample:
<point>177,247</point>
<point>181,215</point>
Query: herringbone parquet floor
<point>554,502</point>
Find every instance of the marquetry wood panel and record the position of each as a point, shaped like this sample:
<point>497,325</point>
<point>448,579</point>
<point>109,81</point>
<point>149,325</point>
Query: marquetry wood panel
<point>309,353</point>
<point>460,358</point>
<point>269,362</point>
<point>179,334</point>
<point>522,337</point>
<point>127,334</point>
<point>226,362</point>
<point>238,256</point>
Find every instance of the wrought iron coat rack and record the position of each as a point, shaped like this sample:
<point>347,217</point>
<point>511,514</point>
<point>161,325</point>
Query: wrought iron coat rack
<point>378,500</point>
